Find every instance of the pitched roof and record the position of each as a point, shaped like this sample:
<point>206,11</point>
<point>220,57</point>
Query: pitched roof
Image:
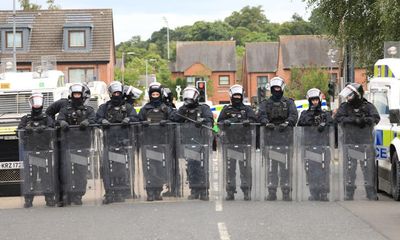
<point>306,50</point>
<point>47,33</point>
<point>216,55</point>
<point>262,57</point>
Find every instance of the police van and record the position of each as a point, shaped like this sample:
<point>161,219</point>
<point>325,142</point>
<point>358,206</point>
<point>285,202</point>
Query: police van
<point>384,93</point>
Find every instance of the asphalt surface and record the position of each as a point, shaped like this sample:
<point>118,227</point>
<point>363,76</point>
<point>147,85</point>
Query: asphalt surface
<point>207,220</point>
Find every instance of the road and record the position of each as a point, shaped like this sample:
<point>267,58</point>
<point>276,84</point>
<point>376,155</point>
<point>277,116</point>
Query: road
<point>207,220</point>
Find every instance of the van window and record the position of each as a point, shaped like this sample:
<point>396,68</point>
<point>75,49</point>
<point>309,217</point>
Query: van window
<point>380,100</point>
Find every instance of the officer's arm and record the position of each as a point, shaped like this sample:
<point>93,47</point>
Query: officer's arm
<point>304,119</point>
<point>340,114</point>
<point>101,112</point>
<point>142,114</point>
<point>23,122</point>
<point>328,118</point>
<point>251,115</point>
<point>62,115</point>
<point>131,113</point>
<point>91,115</point>
<point>222,115</point>
<point>51,110</point>
<point>50,122</point>
<point>293,114</point>
<point>208,115</point>
<point>170,112</point>
<point>175,116</point>
<point>262,113</point>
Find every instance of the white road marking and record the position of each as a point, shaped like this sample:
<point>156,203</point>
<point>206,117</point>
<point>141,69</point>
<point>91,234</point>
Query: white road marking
<point>223,231</point>
<point>218,205</point>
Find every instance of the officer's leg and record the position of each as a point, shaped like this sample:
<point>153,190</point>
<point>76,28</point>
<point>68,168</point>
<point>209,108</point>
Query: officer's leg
<point>350,166</point>
<point>285,178</point>
<point>325,175</point>
<point>272,179</point>
<point>313,172</point>
<point>369,171</point>
<point>230,178</point>
<point>245,175</point>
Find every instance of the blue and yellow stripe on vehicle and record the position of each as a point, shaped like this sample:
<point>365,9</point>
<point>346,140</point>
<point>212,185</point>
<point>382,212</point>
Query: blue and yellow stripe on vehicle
<point>383,71</point>
<point>383,137</point>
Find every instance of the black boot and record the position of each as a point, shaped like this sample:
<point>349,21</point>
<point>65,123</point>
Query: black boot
<point>371,193</point>
<point>108,197</point>
<point>28,201</point>
<point>157,195</point>
<point>324,197</point>
<point>246,193</point>
<point>50,201</point>
<point>76,199</point>
<point>349,193</point>
<point>271,194</point>
<point>150,195</point>
<point>194,194</point>
<point>230,195</point>
<point>286,195</point>
<point>204,195</point>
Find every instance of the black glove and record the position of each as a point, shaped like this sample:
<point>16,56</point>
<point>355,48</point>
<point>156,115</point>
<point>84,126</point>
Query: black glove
<point>40,129</point>
<point>64,125</point>
<point>369,121</point>
<point>146,123</point>
<point>321,127</point>
<point>84,124</point>
<point>360,122</point>
<point>163,123</point>
<point>246,123</point>
<point>270,126</point>
<point>283,126</point>
<point>348,120</point>
<point>126,121</point>
<point>105,123</point>
<point>28,129</point>
<point>227,123</point>
<point>198,123</point>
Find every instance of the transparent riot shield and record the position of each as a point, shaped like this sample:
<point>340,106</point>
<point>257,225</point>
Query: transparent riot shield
<point>357,154</point>
<point>80,182</point>
<point>155,169</point>
<point>194,148</point>
<point>277,156</point>
<point>316,170</point>
<point>236,148</point>
<point>38,152</point>
<point>117,163</point>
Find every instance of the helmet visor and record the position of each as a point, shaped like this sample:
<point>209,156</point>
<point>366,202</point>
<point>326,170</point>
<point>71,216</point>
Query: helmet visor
<point>313,93</point>
<point>190,94</point>
<point>36,101</point>
<point>236,90</point>
<point>115,88</point>
<point>76,88</point>
<point>276,82</point>
<point>348,92</point>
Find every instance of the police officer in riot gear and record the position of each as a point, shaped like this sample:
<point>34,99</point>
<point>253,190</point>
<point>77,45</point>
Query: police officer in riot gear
<point>169,98</point>
<point>56,106</point>
<point>237,112</point>
<point>200,114</point>
<point>37,121</point>
<point>278,113</point>
<point>317,173</point>
<point>155,111</point>
<point>116,110</point>
<point>131,94</point>
<point>358,113</point>
<point>75,113</point>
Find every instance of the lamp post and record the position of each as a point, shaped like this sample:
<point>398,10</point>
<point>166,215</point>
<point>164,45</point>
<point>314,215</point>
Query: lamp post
<point>166,22</point>
<point>123,65</point>
<point>332,54</point>
<point>147,63</point>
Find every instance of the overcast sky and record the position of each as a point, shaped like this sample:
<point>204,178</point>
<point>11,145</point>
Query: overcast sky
<point>133,17</point>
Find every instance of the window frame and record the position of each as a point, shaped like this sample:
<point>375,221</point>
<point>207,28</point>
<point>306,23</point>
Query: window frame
<point>69,39</point>
<point>219,80</point>
<point>10,33</point>
<point>86,75</point>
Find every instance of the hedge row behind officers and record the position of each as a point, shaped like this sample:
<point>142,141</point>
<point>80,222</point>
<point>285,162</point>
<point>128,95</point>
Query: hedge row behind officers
<point>278,114</point>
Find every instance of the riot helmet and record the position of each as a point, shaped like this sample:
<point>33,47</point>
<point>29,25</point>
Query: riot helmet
<point>353,93</point>
<point>277,86</point>
<point>76,92</point>
<point>312,95</point>
<point>190,96</point>
<point>131,94</point>
<point>155,87</point>
<point>36,103</point>
<point>86,93</point>
<point>236,93</point>
<point>115,90</point>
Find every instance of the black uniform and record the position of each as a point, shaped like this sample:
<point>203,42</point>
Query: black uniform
<point>39,142</point>
<point>357,120</point>
<point>157,148</point>
<point>316,140</point>
<point>56,106</point>
<point>278,113</point>
<point>197,169</point>
<point>237,114</point>
<point>75,142</point>
<point>117,142</point>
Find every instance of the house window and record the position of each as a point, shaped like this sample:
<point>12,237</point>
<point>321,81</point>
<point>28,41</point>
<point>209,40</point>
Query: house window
<point>191,81</point>
<point>262,81</point>
<point>223,80</point>
<point>80,75</point>
<point>76,39</point>
<point>10,39</point>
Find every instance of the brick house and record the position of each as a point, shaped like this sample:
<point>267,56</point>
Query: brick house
<point>81,40</point>
<point>212,61</point>
<point>294,51</point>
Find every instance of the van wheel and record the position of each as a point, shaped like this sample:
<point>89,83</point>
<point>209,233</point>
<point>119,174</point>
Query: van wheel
<point>395,177</point>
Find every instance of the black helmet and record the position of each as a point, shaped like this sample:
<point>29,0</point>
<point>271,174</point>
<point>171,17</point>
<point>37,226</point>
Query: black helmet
<point>155,87</point>
<point>352,90</point>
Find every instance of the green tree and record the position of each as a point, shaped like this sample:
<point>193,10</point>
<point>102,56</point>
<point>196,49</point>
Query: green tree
<point>26,5</point>
<point>303,79</point>
<point>252,18</point>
